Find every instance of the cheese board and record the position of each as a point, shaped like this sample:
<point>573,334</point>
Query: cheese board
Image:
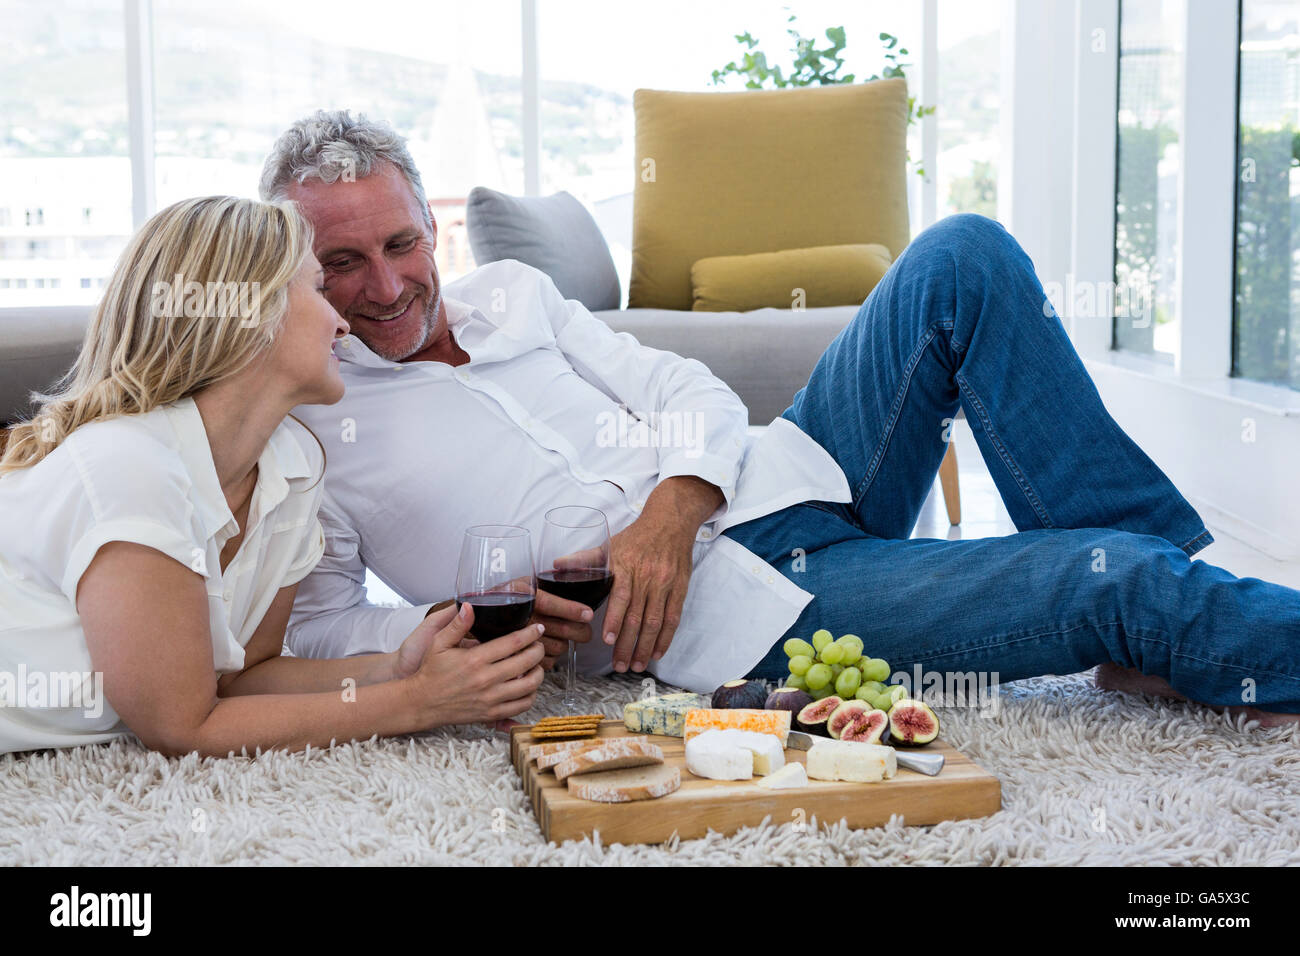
<point>963,790</point>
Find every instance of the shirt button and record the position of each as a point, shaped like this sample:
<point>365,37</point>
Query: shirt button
<point>706,535</point>
<point>463,376</point>
<point>228,594</point>
<point>756,569</point>
<point>347,344</point>
<point>770,579</point>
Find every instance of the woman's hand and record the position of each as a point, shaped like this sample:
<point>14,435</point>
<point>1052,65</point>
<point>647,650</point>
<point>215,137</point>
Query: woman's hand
<point>456,682</point>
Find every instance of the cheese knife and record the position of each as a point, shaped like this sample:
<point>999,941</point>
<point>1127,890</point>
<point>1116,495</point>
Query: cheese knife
<point>927,763</point>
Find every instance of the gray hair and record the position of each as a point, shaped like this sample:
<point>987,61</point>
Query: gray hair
<point>330,145</point>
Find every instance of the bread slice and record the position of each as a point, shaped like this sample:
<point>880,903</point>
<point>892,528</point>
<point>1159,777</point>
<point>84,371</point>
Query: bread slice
<point>614,755</point>
<point>536,751</point>
<point>624,786</point>
<point>546,761</point>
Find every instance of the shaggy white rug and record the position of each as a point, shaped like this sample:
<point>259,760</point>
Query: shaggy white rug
<point>1087,778</point>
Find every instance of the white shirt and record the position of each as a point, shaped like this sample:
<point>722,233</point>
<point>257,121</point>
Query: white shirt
<point>419,451</point>
<point>147,479</point>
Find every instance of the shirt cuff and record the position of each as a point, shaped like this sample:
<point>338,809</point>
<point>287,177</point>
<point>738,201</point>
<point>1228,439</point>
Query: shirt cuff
<point>715,469</point>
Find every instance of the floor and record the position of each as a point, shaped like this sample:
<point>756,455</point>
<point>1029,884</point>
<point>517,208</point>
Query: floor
<point>984,516</point>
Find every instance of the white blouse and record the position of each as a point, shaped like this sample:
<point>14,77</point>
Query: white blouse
<point>148,479</point>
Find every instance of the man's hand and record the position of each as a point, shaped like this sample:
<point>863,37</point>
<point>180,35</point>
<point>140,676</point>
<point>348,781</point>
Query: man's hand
<point>564,621</point>
<point>651,561</point>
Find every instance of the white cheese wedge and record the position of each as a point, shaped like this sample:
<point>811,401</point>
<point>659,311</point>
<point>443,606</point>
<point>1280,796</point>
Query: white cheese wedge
<point>715,754</point>
<point>851,761</point>
<point>733,754</point>
<point>767,751</point>
<point>790,777</point>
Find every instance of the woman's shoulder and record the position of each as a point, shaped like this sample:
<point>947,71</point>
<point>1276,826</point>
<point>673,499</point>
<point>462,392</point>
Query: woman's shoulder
<point>139,450</point>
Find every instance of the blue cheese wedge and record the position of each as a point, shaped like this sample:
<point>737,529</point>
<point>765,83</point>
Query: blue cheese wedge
<point>662,715</point>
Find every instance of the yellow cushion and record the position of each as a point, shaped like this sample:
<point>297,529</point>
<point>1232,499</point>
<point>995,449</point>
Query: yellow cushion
<point>721,174</point>
<point>806,278</point>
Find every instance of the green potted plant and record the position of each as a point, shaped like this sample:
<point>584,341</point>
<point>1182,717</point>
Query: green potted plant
<point>816,67</point>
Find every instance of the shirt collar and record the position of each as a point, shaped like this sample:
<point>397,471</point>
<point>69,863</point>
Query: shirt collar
<point>282,459</point>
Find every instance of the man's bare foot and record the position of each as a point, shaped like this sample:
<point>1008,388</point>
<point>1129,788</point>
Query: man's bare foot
<point>1111,676</point>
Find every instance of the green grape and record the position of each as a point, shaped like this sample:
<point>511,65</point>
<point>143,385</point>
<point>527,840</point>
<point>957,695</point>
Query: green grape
<point>799,664</point>
<point>864,693</point>
<point>818,676</point>
<point>797,646</point>
<point>897,692</point>
<point>832,654</point>
<point>821,692</point>
<point>820,639</point>
<point>876,669</point>
<point>852,645</point>
<point>846,685</point>
<point>836,671</point>
<point>795,680</point>
<point>882,702</point>
<point>874,686</point>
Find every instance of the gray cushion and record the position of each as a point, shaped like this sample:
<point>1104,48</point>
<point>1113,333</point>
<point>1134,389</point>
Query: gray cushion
<point>37,345</point>
<point>555,234</point>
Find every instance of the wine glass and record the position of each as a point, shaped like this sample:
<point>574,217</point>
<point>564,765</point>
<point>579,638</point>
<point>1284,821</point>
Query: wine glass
<point>495,576</point>
<point>574,562</point>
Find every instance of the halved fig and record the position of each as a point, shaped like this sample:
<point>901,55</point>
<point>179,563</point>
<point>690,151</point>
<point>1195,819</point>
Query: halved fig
<point>812,718</point>
<point>912,723</point>
<point>843,714</point>
<point>866,728</point>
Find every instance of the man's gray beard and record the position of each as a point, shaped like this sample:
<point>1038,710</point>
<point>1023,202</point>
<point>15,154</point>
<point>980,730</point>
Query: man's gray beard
<point>430,323</point>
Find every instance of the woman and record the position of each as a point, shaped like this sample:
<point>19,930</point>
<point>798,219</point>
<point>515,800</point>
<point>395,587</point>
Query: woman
<point>158,511</point>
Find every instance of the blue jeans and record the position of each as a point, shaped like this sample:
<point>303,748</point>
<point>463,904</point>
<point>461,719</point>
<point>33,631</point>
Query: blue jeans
<point>1100,568</point>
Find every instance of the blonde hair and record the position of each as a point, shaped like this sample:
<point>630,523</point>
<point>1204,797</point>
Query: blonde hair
<point>199,292</point>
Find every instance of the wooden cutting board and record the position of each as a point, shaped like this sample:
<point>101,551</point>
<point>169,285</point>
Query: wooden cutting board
<point>962,791</point>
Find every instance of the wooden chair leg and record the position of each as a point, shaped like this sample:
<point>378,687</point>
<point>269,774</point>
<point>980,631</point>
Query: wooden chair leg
<point>948,481</point>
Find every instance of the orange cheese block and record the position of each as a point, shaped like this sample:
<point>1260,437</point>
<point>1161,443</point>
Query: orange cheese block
<point>774,722</point>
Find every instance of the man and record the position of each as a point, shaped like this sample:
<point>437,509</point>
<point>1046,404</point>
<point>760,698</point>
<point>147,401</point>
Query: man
<point>481,404</point>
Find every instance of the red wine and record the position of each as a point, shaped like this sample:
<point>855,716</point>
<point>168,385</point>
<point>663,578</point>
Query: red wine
<point>589,586</point>
<point>497,613</point>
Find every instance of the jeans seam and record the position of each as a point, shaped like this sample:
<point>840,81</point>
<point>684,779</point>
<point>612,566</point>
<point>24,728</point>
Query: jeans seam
<point>1026,488</point>
<point>895,411</point>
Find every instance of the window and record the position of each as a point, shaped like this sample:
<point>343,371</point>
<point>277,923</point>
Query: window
<point>1266,324</point>
<point>230,78</point>
<point>63,143</point>
<point>1146,182</point>
<point>967,112</point>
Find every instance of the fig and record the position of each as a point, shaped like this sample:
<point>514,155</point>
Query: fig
<point>867,727</point>
<point>740,694</point>
<point>912,723</point>
<point>843,714</point>
<point>812,719</point>
<point>788,698</point>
